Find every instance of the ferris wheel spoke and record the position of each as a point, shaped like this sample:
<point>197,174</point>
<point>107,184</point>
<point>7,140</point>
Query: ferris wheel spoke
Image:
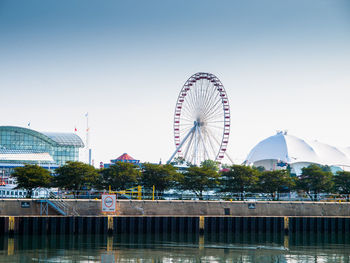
<point>185,122</point>
<point>196,89</point>
<point>217,132</point>
<point>187,119</point>
<point>190,100</point>
<point>214,97</point>
<point>215,127</point>
<point>184,130</point>
<point>203,144</point>
<point>216,107</point>
<point>217,116</point>
<point>185,127</point>
<point>213,104</point>
<point>204,94</point>
<point>210,104</point>
<point>209,92</point>
<point>217,121</point>
<point>214,116</point>
<point>183,133</point>
<point>200,92</point>
<point>199,102</point>
<point>187,112</point>
<point>214,138</point>
<point>211,146</point>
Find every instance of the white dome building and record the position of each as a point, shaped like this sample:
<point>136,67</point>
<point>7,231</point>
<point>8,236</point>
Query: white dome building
<point>281,149</point>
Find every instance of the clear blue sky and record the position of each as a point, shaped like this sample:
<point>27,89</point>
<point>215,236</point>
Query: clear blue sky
<point>284,64</point>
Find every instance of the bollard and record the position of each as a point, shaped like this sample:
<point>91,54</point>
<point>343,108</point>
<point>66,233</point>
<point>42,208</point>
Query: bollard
<point>11,226</point>
<point>286,225</point>
<point>286,242</point>
<point>10,246</point>
<point>110,225</point>
<point>110,243</point>
<point>201,242</point>
<point>201,225</point>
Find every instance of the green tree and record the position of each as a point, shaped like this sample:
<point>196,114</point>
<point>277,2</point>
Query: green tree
<point>30,177</point>
<point>314,180</point>
<point>275,181</point>
<point>342,183</point>
<point>178,161</point>
<point>259,168</point>
<point>119,176</point>
<point>198,180</point>
<point>75,176</point>
<point>210,164</point>
<point>161,176</point>
<point>239,178</point>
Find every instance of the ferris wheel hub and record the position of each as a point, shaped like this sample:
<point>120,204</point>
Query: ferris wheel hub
<point>198,123</point>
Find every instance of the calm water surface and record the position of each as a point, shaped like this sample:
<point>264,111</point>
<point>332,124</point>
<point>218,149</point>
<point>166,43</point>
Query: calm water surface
<point>302,247</point>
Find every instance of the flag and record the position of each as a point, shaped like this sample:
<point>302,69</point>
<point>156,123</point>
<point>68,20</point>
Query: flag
<point>28,124</point>
<point>75,129</point>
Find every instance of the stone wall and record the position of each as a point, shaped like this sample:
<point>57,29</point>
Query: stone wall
<point>12,207</point>
<point>214,208</point>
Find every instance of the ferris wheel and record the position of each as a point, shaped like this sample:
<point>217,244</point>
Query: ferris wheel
<point>202,120</point>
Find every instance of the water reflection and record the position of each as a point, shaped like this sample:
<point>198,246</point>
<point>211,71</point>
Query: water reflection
<point>299,247</point>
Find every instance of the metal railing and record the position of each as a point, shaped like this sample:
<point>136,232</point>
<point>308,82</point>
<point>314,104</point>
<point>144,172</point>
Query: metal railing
<point>63,205</point>
<point>56,202</point>
<point>58,196</point>
<point>147,194</point>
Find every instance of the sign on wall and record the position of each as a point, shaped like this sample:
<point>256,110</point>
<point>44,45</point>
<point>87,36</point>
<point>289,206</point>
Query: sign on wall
<point>251,206</point>
<point>109,203</point>
<point>25,204</point>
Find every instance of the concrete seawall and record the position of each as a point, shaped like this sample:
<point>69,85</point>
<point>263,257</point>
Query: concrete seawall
<point>214,208</point>
<point>14,207</point>
<point>173,225</point>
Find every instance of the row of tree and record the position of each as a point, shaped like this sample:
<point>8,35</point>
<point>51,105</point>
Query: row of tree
<point>234,179</point>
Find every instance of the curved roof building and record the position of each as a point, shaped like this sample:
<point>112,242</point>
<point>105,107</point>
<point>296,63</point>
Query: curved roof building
<point>282,148</point>
<point>21,145</point>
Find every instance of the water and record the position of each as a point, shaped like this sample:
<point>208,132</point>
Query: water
<point>303,247</point>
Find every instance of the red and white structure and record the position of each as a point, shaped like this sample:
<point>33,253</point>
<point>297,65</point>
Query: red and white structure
<point>124,158</point>
<point>202,120</point>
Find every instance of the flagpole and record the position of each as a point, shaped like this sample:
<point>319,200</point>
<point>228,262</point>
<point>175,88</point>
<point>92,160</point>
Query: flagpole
<point>87,138</point>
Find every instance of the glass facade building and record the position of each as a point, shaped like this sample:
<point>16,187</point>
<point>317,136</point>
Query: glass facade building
<point>19,146</point>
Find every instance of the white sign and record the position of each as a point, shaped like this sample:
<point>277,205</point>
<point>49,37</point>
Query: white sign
<point>108,202</point>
